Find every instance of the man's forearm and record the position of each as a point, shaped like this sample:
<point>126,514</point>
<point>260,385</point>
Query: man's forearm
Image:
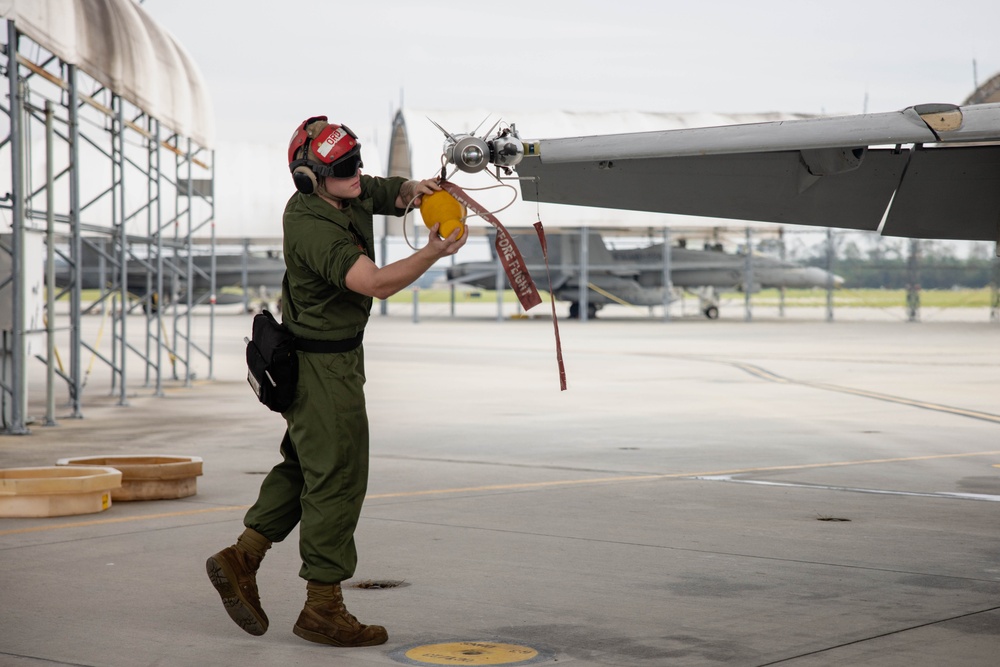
<point>367,278</point>
<point>411,191</point>
<point>398,275</point>
<point>407,192</point>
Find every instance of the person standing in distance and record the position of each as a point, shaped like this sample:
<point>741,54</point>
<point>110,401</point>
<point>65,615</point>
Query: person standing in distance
<point>329,283</point>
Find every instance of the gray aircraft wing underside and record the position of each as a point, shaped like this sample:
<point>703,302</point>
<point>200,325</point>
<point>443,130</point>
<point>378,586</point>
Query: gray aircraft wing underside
<point>913,168</point>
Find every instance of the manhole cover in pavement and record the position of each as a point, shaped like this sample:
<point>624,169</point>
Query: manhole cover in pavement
<point>379,584</point>
<point>469,653</point>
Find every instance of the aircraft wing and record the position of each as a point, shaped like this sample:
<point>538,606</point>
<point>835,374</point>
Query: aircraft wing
<point>915,169</point>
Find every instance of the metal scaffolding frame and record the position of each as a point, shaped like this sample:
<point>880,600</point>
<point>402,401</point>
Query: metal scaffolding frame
<point>95,178</point>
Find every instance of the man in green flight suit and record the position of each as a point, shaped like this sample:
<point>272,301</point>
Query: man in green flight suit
<point>330,280</point>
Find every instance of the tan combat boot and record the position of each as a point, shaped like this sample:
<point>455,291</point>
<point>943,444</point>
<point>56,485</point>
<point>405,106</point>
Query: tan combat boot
<point>325,620</point>
<point>233,572</point>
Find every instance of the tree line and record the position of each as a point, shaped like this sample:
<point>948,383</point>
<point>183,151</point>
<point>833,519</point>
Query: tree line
<point>897,263</point>
<point>929,273</point>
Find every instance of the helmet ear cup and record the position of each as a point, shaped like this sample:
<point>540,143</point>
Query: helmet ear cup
<point>305,180</point>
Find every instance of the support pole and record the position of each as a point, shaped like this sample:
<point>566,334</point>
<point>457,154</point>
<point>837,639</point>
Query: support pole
<point>668,285</point>
<point>995,286</point>
<point>829,271</point>
<point>451,288</point>
<point>913,282</point>
<point>189,247</point>
<point>584,273</point>
<point>149,300</point>
<point>118,142</point>
<point>214,286</point>
<point>383,307</point>
<point>748,278</point>
<point>18,352</point>
<point>76,250</point>
<point>50,271</point>
<point>416,288</point>
<point>160,302</point>
<point>245,274</point>
<point>781,290</point>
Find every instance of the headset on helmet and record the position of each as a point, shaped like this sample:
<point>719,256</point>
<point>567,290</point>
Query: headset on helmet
<point>319,148</point>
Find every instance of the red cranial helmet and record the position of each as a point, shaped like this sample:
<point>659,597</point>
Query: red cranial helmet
<point>319,148</point>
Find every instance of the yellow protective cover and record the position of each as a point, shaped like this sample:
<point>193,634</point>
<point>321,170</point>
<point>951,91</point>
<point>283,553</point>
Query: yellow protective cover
<point>441,207</point>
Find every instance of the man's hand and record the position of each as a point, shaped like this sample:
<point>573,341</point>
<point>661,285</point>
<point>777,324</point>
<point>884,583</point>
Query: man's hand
<point>448,246</point>
<point>411,191</point>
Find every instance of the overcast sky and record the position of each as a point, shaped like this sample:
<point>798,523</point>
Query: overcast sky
<point>268,65</point>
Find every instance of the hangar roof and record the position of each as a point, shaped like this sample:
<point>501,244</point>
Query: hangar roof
<point>120,46</point>
<point>987,93</point>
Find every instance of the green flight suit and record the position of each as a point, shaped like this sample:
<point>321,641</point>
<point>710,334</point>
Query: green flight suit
<point>323,476</point>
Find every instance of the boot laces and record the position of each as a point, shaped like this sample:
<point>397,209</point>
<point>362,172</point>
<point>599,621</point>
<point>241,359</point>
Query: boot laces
<point>341,609</point>
<point>248,582</point>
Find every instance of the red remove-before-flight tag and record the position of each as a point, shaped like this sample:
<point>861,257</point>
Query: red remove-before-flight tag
<point>510,256</point>
<point>514,266</point>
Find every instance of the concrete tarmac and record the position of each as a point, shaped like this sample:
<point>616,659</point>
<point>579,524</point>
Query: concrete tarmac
<point>795,493</point>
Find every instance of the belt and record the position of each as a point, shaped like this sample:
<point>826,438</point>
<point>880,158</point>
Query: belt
<point>324,346</point>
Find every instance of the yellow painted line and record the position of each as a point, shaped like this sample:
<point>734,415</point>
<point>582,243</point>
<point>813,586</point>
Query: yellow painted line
<point>524,485</point>
<point>937,407</point>
<point>521,486</point>
<point>121,519</point>
<point>675,475</point>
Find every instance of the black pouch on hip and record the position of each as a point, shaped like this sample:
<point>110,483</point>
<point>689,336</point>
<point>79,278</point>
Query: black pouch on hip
<point>272,362</point>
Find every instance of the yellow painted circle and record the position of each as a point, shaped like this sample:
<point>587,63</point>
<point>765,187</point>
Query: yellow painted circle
<point>471,653</point>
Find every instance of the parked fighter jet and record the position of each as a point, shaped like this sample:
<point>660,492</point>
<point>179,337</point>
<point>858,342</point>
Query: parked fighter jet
<point>256,272</point>
<point>634,276</point>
